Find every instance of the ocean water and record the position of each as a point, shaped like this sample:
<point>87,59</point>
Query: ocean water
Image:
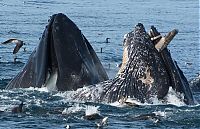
<point>98,20</point>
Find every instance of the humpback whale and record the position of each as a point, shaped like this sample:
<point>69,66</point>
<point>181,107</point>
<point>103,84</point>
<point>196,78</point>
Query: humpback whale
<point>147,71</point>
<point>63,60</point>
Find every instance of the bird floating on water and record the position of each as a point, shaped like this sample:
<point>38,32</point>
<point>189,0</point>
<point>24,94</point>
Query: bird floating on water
<point>67,127</point>
<point>18,109</point>
<point>107,40</point>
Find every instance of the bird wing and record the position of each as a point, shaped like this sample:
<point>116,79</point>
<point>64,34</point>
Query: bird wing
<point>9,41</point>
<point>19,44</point>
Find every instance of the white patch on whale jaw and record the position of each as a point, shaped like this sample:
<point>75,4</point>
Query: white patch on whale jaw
<point>51,80</point>
<point>124,60</point>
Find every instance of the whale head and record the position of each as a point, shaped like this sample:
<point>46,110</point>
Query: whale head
<point>145,72</point>
<point>63,60</point>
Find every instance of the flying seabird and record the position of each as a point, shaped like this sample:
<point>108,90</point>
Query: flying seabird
<point>19,44</point>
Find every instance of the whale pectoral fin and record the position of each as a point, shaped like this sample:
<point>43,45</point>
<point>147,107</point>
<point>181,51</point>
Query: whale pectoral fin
<point>178,81</point>
<point>184,87</point>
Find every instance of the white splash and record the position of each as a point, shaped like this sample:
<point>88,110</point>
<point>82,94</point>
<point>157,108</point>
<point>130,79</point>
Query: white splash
<point>4,97</point>
<point>3,108</point>
<point>42,89</point>
<point>93,92</point>
<point>175,98</point>
<point>155,101</point>
<point>75,108</point>
<point>172,97</point>
<point>131,100</point>
<point>90,110</point>
<point>160,113</point>
<point>123,104</point>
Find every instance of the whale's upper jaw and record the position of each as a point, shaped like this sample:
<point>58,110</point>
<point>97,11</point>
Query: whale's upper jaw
<point>71,55</point>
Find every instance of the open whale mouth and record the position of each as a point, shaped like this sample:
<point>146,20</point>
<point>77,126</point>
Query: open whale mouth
<point>64,59</point>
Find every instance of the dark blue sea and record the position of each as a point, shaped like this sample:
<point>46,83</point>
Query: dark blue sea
<point>97,19</point>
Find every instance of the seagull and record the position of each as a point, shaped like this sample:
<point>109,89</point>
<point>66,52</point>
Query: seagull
<point>19,44</point>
